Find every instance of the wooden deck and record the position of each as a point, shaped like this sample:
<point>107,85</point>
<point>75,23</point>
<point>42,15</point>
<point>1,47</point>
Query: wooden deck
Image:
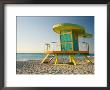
<point>66,52</point>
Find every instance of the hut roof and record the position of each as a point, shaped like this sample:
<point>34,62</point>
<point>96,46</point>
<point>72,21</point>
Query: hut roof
<point>68,26</point>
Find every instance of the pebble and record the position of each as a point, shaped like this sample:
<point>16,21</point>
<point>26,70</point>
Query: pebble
<point>34,67</point>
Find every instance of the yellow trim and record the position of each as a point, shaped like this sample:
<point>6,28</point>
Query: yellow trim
<point>66,42</point>
<point>72,41</point>
<point>67,33</point>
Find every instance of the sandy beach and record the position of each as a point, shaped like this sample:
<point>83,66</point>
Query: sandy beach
<point>35,67</point>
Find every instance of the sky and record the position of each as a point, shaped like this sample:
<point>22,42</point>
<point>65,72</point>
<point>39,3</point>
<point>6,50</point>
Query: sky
<point>34,31</point>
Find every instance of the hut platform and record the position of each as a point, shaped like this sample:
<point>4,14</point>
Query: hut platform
<point>66,52</point>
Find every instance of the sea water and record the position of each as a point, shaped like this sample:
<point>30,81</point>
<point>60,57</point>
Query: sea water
<point>29,56</point>
<point>38,56</point>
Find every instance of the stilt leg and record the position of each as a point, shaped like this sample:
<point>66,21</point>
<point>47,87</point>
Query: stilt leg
<point>56,61</point>
<point>88,60</point>
<point>70,59</point>
<point>73,60</point>
<point>45,58</point>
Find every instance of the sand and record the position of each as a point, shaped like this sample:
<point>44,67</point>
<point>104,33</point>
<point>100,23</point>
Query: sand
<point>35,67</point>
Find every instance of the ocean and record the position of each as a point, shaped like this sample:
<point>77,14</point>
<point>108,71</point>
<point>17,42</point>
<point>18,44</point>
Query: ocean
<point>36,56</point>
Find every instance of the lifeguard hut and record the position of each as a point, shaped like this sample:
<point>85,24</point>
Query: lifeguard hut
<point>69,34</point>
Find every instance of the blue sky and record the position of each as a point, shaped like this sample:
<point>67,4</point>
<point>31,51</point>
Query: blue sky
<point>34,31</point>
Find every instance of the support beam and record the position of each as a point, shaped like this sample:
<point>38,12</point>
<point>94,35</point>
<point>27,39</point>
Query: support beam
<point>88,60</point>
<point>70,59</point>
<point>73,60</point>
<point>56,61</point>
<point>45,58</point>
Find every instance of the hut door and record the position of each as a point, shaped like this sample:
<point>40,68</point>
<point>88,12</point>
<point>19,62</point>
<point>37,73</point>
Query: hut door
<point>68,47</point>
<point>66,42</point>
